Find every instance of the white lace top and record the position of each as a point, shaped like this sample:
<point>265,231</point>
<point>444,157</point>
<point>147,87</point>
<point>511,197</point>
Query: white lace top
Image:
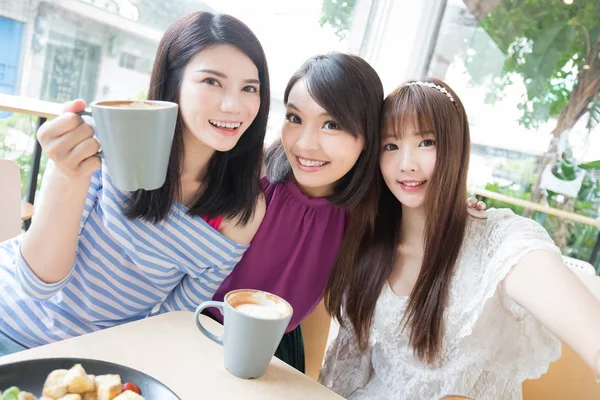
<point>490,344</point>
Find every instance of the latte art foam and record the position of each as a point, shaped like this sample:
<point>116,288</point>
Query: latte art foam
<point>262,307</point>
<point>140,105</point>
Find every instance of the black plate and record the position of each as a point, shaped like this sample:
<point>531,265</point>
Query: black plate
<point>30,375</point>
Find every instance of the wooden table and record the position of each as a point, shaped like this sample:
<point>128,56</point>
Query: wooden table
<point>170,348</point>
<point>29,106</point>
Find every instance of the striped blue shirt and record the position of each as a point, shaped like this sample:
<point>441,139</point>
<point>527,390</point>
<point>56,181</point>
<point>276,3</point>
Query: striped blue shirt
<point>123,268</point>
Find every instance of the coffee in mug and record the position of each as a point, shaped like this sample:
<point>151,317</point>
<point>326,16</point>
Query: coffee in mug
<point>137,105</point>
<point>259,304</point>
<point>254,322</point>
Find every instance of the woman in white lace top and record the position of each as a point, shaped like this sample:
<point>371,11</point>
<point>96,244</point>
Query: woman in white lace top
<point>447,302</point>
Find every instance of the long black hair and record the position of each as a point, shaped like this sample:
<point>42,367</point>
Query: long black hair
<point>350,90</point>
<point>231,186</point>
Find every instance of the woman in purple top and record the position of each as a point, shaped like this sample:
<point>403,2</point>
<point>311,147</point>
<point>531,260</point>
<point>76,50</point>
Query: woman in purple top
<point>324,165</point>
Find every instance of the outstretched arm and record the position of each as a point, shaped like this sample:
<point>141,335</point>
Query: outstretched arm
<point>557,297</point>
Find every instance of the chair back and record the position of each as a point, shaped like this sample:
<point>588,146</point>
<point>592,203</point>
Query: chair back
<point>10,199</point>
<point>567,378</point>
<point>579,265</point>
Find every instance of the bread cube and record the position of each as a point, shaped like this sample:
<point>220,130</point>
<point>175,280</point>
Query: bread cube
<point>89,396</point>
<point>78,381</point>
<point>26,396</point>
<point>54,387</point>
<point>93,379</point>
<point>108,386</point>
<point>129,395</point>
<point>71,396</point>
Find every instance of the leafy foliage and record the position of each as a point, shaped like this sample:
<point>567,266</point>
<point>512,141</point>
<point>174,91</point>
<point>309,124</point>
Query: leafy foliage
<point>593,114</point>
<point>338,15</point>
<point>580,238</point>
<point>545,43</point>
<point>27,125</point>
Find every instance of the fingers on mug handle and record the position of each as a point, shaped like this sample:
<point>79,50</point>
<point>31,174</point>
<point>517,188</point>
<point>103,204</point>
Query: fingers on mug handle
<point>84,112</point>
<point>100,153</point>
<point>205,332</point>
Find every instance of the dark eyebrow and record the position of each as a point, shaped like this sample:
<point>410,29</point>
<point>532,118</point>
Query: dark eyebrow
<point>222,75</point>
<point>323,114</point>
<point>290,105</point>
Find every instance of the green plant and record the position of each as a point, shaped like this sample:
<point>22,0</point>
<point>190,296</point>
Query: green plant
<point>24,161</point>
<point>577,239</point>
<point>554,49</point>
<point>27,125</point>
<point>338,15</point>
<point>141,95</point>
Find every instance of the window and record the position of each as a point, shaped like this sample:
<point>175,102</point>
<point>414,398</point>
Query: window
<point>522,72</point>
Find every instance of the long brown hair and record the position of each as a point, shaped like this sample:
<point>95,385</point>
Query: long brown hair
<point>361,272</point>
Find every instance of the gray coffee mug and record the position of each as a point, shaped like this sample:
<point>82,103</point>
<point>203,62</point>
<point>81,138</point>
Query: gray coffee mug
<point>136,139</point>
<point>249,341</point>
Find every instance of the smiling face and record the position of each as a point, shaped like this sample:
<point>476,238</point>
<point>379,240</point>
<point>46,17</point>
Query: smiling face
<point>319,151</point>
<point>407,163</point>
<point>219,97</point>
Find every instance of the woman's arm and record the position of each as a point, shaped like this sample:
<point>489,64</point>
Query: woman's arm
<point>542,284</point>
<point>592,282</point>
<point>315,332</point>
<point>243,234</point>
<point>50,245</point>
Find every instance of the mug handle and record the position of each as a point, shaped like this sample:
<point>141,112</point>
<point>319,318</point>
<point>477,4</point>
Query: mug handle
<point>201,307</point>
<point>89,113</point>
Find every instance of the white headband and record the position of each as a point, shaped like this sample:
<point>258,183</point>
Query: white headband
<point>432,85</point>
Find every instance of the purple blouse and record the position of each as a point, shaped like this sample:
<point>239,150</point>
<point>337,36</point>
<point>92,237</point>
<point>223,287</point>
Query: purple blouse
<point>293,252</point>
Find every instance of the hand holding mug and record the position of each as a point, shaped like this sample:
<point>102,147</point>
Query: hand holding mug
<point>69,142</point>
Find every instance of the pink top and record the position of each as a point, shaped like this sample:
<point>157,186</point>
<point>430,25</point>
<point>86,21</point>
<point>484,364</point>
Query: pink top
<point>215,223</point>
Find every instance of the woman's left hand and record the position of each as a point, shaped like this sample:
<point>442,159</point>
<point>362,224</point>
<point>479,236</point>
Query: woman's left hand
<point>473,203</point>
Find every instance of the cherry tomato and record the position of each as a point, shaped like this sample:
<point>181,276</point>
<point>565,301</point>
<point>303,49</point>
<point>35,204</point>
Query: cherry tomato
<point>131,386</point>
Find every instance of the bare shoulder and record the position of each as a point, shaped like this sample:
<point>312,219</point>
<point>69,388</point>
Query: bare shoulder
<point>243,234</point>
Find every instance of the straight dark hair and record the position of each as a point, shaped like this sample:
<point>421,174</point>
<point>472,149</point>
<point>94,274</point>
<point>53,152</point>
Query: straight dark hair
<point>350,90</point>
<point>231,187</point>
<point>355,286</point>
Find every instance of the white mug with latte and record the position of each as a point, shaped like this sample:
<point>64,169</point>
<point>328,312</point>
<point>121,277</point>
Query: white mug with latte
<point>254,323</point>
